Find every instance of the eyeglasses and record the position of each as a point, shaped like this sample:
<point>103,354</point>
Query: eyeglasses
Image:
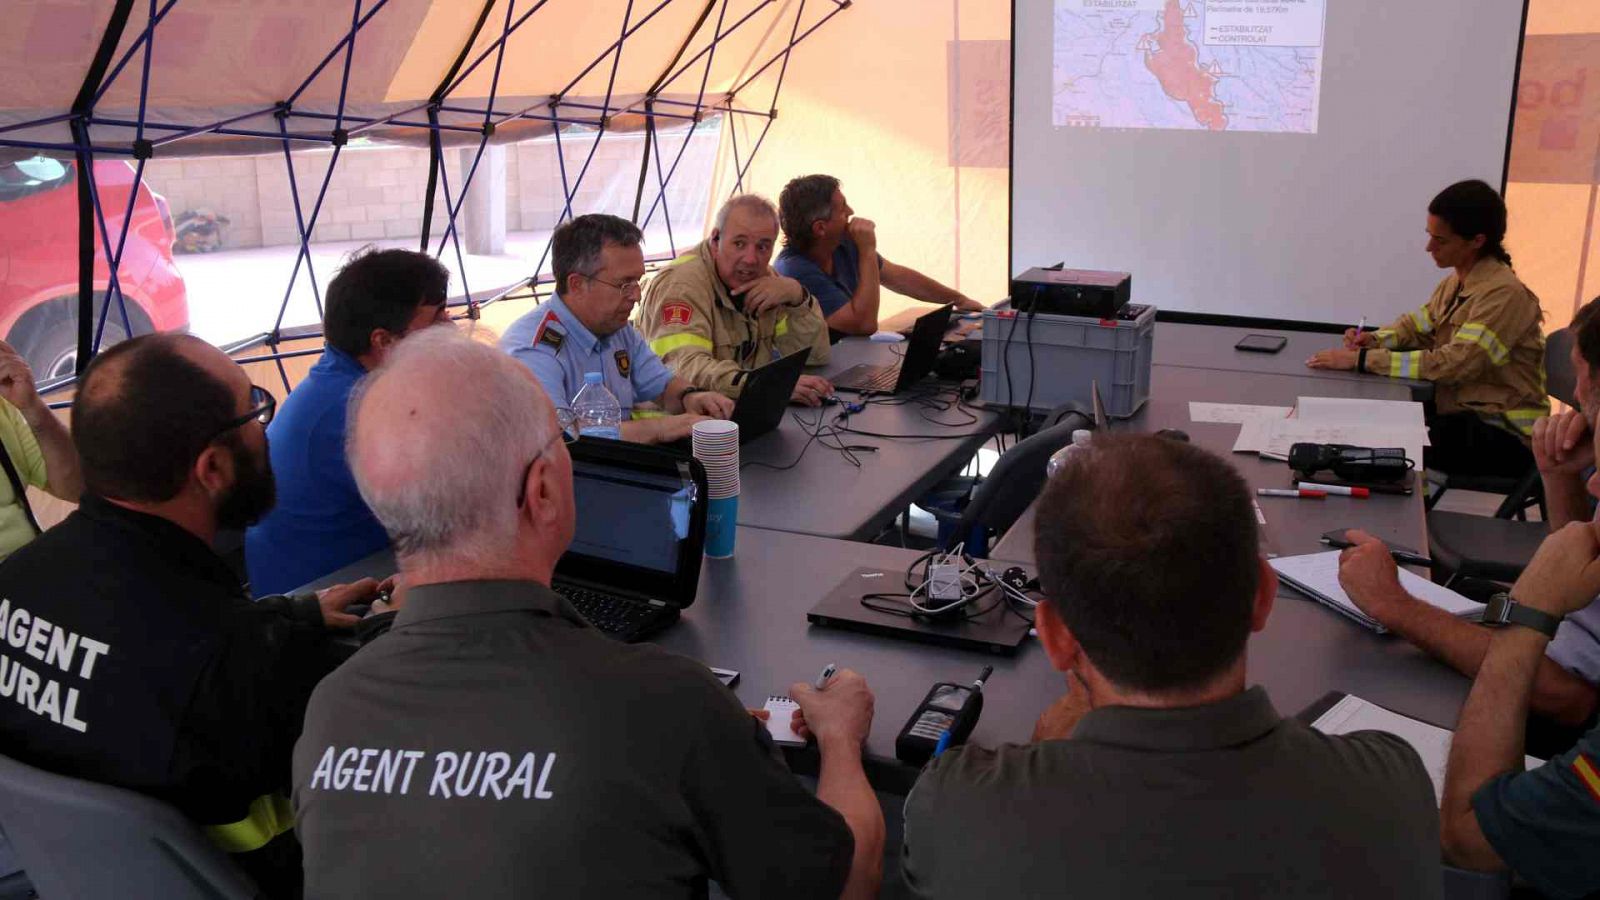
<point>568,434</point>
<point>263,407</point>
<point>631,286</point>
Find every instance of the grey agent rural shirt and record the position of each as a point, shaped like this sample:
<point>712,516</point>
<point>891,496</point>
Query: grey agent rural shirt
<point>1224,800</point>
<point>492,744</point>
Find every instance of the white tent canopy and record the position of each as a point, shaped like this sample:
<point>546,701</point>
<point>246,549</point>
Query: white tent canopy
<point>215,61</point>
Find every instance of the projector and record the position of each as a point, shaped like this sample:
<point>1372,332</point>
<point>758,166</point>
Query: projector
<point>1071,292</point>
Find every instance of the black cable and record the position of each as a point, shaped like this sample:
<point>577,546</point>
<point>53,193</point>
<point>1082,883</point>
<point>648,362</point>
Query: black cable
<point>820,433</point>
<point>1033,372</point>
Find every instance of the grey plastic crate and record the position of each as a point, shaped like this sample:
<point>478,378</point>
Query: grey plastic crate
<point>1069,352</point>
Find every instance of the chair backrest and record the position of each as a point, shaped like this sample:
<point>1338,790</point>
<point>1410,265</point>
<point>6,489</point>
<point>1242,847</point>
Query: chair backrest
<point>77,838</point>
<point>1561,382</point>
<point>1017,477</point>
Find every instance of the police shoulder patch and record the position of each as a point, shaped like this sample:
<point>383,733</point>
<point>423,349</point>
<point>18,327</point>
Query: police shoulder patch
<point>547,335</point>
<point>624,364</point>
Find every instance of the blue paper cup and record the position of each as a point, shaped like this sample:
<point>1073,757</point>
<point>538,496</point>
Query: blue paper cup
<point>722,524</point>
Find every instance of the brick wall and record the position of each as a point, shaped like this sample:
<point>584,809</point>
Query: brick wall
<point>377,192</point>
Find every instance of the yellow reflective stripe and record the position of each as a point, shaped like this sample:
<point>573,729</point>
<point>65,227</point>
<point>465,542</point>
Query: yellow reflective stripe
<point>670,342</point>
<point>782,329</point>
<point>270,815</point>
<point>1386,338</point>
<point>639,413</point>
<point>686,258</point>
<point>1478,333</point>
<point>1422,321</point>
<point>1521,420</point>
<point>1405,364</point>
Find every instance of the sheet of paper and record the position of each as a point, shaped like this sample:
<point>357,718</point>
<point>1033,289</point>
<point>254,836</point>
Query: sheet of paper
<point>1431,743</point>
<point>1235,413</point>
<point>1278,435</point>
<point>1347,411</point>
<point>1319,572</point>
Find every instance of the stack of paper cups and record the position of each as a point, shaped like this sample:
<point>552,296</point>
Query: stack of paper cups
<point>716,445</point>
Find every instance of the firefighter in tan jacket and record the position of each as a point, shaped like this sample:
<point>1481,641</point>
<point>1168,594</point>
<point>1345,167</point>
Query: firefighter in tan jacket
<point>719,311</point>
<point>1478,339</point>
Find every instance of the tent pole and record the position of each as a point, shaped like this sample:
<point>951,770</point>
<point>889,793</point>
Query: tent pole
<point>435,147</point>
<point>82,108</point>
<point>649,110</point>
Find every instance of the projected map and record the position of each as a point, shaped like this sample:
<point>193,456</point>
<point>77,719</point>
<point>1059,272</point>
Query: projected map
<point>1215,65</point>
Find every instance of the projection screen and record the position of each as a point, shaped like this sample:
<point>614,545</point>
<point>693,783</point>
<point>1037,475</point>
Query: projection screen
<point>1266,159</point>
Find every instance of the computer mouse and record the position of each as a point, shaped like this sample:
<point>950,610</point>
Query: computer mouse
<point>831,400</point>
<point>1173,433</point>
<point>887,337</point>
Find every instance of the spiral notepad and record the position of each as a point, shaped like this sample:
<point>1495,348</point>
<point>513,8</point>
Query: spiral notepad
<point>780,723</point>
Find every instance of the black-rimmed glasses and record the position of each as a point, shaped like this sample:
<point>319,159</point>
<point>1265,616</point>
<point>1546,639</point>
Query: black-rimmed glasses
<point>630,286</point>
<point>262,408</point>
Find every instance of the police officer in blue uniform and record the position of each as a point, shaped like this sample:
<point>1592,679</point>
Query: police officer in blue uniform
<point>584,328</point>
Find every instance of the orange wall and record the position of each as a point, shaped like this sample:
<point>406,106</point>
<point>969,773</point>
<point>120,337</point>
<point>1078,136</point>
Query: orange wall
<point>867,99</point>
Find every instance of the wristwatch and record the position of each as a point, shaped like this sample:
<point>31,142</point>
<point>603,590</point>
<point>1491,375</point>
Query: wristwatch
<point>1503,610</point>
<point>1361,360</point>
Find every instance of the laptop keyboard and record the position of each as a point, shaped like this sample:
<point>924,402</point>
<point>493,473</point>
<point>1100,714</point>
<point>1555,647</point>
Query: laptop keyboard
<point>871,378</point>
<point>611,614</point>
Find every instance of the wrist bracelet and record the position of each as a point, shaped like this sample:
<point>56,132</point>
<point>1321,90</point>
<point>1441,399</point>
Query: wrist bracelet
<point>1361,360</point>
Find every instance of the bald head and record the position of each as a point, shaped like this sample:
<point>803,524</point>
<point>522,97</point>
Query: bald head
<point>147,408</point>
<point>439,441</point>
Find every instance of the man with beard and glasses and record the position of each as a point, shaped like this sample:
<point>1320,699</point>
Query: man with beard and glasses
<point>129,652</point>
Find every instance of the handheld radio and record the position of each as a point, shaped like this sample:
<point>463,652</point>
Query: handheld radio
<point>945,717</point>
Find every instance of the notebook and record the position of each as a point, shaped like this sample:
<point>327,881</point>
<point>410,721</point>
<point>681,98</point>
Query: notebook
<point>781,723</point>
<point>1317,576</point>
<point>1348,713</point>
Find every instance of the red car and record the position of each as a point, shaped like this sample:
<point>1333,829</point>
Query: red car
<point>39,261</point>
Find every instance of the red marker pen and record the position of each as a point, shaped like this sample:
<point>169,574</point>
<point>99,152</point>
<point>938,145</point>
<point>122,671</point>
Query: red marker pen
<point>1339,489</point>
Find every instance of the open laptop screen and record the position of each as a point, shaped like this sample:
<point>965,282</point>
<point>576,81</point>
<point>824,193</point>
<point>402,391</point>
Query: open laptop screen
<point>640,521</point>
<point>626,516</point>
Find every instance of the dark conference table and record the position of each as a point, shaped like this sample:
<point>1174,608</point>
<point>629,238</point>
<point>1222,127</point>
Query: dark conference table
<point>750,611</point>
<point>1212,347</point>
<point>824,494</point>
<point>1293,525</point>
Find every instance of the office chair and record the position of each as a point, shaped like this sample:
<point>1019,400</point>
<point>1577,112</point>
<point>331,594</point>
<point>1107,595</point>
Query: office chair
<point>76,838</point>
<point>993,504</point>
<point>1524,490</point>
<point>1498,548</point>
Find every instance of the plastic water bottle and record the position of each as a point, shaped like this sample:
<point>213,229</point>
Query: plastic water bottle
<point>1080,444</point>
<point>596,410</point>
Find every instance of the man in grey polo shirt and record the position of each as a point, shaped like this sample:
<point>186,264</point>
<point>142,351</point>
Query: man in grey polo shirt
<point>1159,773</point>
<point>492,743</point>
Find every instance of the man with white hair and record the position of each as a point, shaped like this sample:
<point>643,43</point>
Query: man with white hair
<point>719,310</point>
<point>504,745</point>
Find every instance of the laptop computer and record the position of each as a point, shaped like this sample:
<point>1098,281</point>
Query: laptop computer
<point>989,627</point>
<point>765,395</point>
<point>761,402</point>
<point>922,351</point>
<point>634,561</point>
